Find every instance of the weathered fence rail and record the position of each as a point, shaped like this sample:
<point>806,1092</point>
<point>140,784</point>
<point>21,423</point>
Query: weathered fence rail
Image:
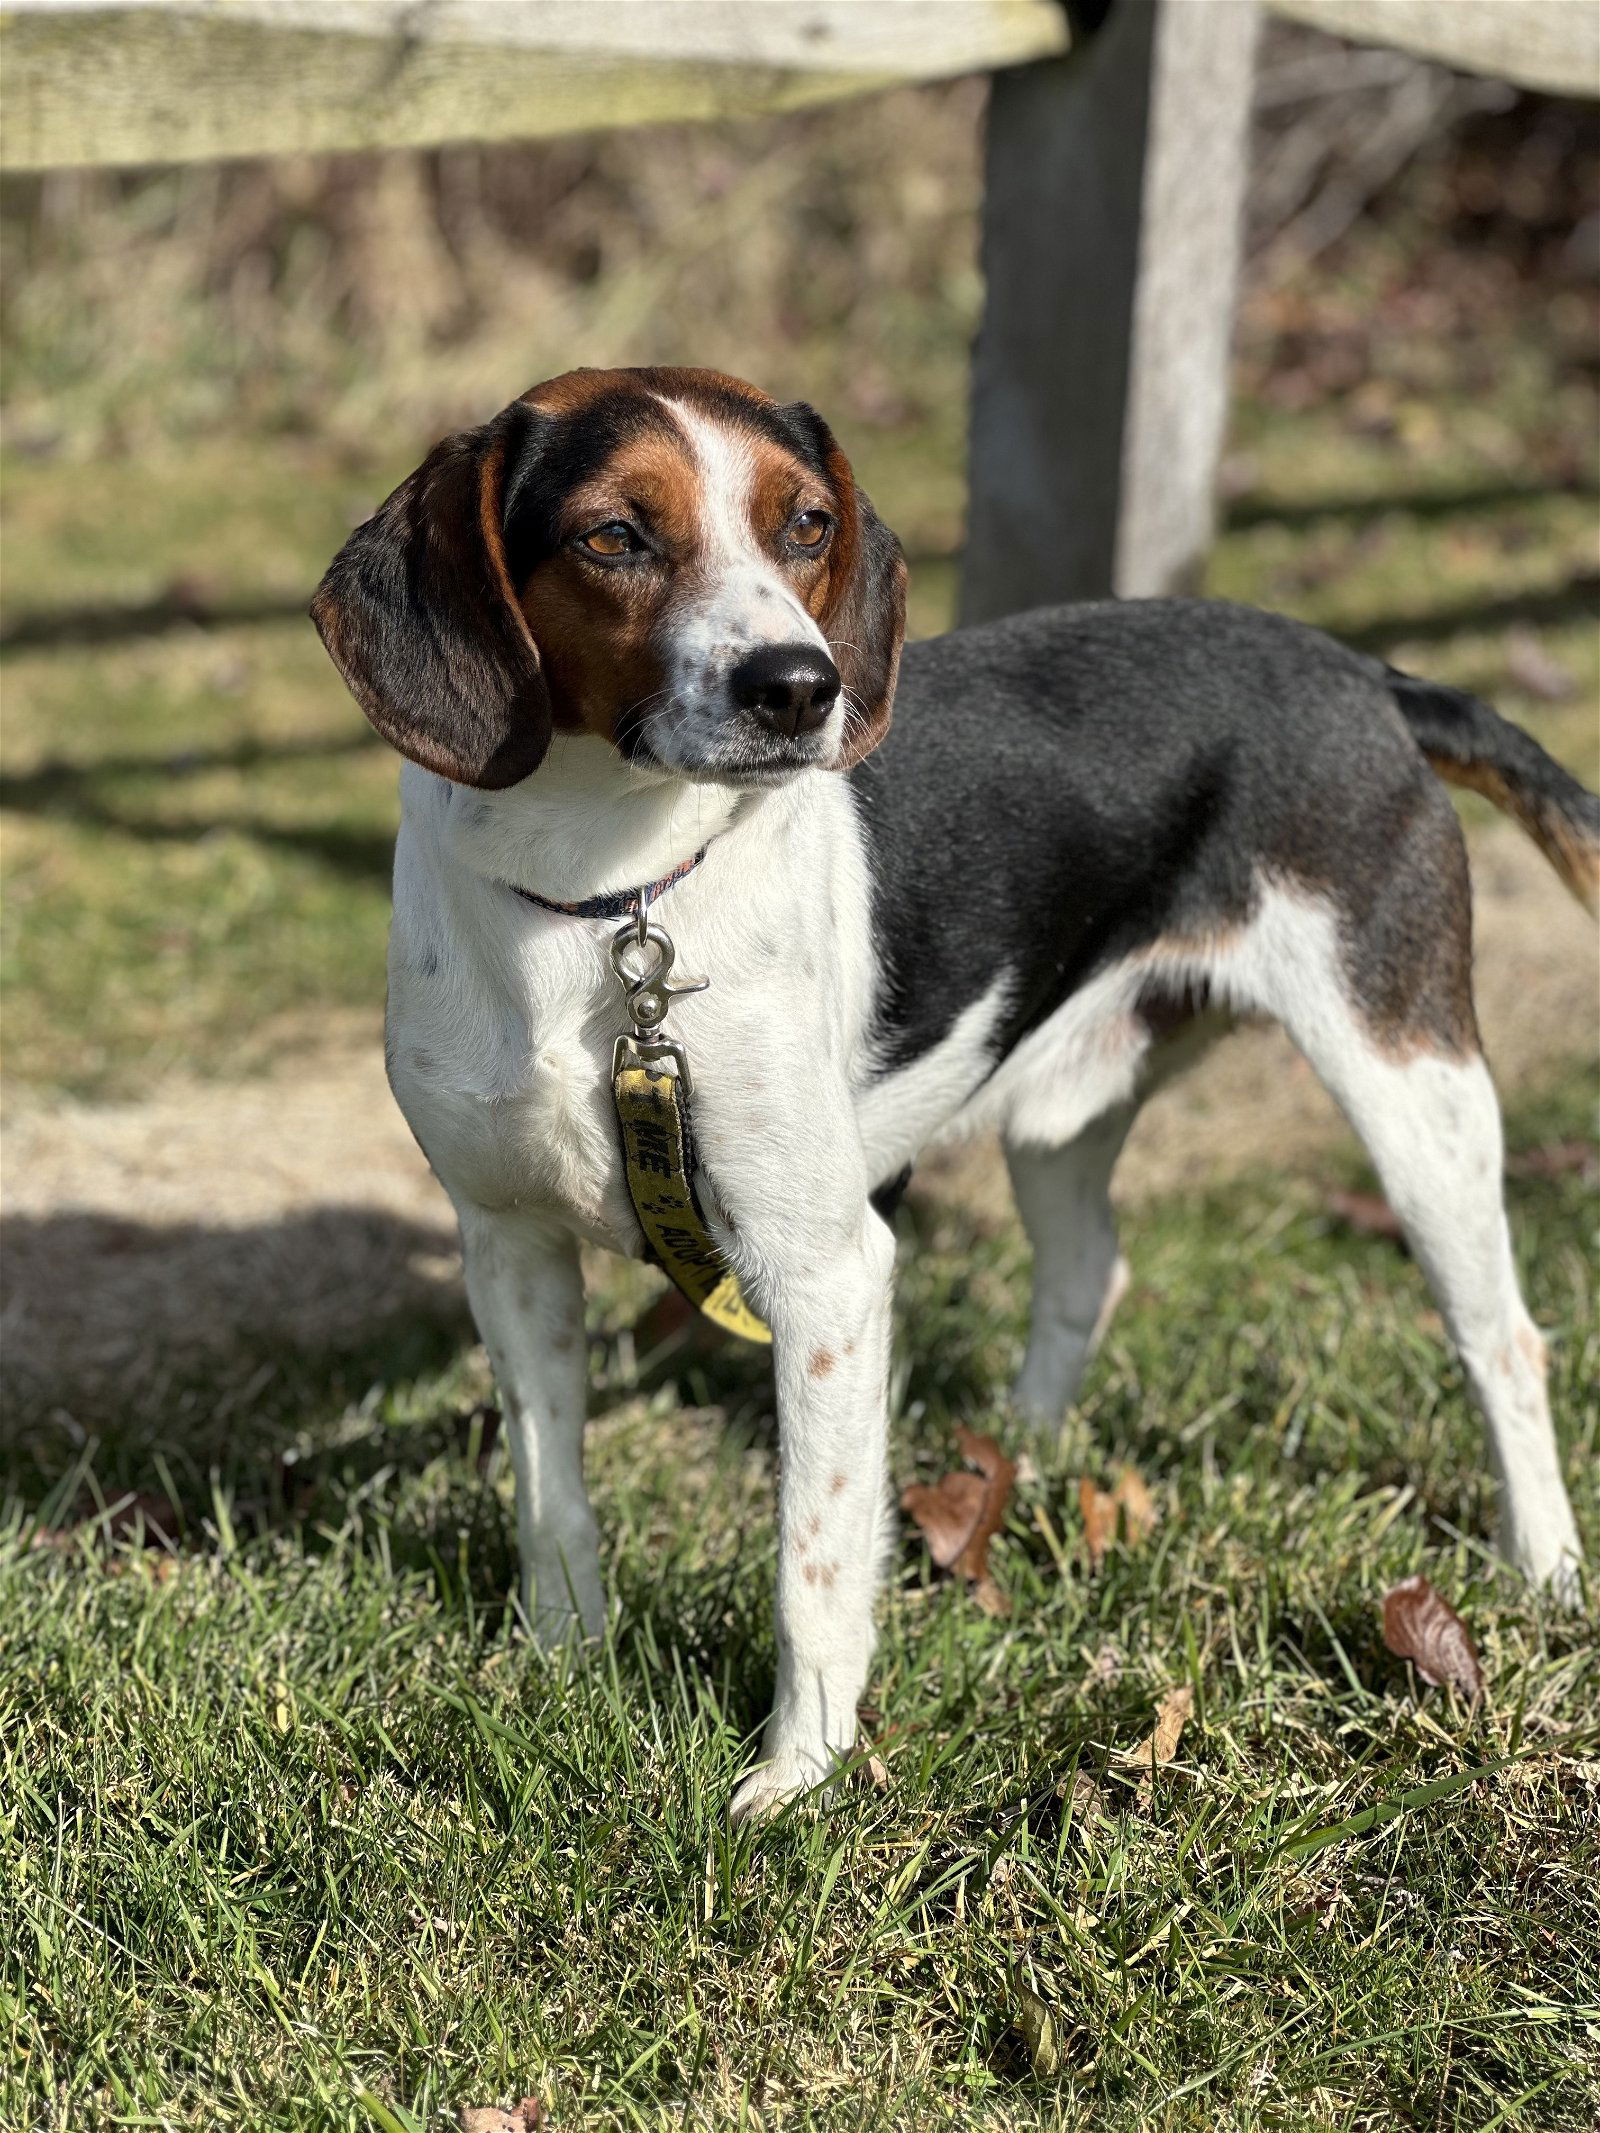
<point>1116,172</point>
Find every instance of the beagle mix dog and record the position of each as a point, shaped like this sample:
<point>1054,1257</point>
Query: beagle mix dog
<point>643,630</point>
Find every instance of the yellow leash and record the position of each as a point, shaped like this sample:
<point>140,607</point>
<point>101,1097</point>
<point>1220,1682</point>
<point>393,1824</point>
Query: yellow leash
<point>651,1087</point>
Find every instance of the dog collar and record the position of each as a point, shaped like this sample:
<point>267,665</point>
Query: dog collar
<point>616,903</point>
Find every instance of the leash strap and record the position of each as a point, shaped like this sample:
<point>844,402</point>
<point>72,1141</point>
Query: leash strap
<point>651,1088</point>
<point>658,1152</point>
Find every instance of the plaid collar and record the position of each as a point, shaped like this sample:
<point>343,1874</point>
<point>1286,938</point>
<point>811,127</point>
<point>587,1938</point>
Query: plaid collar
<point>616,903</point>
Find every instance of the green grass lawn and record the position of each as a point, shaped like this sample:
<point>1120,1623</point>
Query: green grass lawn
<point>296,1832</point>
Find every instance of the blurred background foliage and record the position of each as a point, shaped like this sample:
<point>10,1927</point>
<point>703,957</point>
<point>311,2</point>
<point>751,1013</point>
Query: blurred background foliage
<point>831,253</point>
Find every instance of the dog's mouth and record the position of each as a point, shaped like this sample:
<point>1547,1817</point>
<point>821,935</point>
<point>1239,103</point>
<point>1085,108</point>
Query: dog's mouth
<point>740,759</point>
<point>744,776</point>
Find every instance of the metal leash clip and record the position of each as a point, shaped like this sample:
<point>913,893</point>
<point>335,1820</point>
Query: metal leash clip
<point>642,956</point>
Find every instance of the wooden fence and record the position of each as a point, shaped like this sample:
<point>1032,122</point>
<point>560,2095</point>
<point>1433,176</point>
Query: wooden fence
<point>1115,177</point>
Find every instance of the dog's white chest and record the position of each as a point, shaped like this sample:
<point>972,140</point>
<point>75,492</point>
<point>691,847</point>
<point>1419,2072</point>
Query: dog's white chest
<point>509,1091</point>
<point>503,1019</point>
<point>560,1138</point>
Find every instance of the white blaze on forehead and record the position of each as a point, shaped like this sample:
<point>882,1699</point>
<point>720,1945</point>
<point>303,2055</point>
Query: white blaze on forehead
<point>727,477</point>
<point>741,576</point>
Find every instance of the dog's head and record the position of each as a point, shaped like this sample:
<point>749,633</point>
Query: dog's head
<point>665,558</point>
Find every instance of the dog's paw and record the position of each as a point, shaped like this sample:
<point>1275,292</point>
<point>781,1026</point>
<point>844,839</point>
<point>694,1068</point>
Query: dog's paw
<point>790,1774</point>
<point>1562,1583</point>
<point>564,1632</point>
<point>1550,1559</point>
<point>560,1626</point>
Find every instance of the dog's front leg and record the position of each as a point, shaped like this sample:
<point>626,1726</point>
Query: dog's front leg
<point>829,1312</point>
<point>526,1290</point>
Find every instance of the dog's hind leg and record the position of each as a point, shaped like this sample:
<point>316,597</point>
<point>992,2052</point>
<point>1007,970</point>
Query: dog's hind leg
<point>1422,1101</point>
<point>526,1290</point>
<point>1432,1127</point>
<point>1079,1276</point>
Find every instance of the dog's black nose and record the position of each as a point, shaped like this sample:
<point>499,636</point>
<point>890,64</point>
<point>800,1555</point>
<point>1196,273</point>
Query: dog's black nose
<point>789,687</point>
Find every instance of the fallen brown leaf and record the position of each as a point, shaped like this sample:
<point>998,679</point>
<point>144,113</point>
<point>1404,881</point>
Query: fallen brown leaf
<point>523,2117</point>
<point>1420,1625</point>
<point>947,1513</point>
<point>960,1515</point>
<point>1172,1714</point>
<point>1086,1799</point>
<point>1128,1505</point>
<point>1036,2023</point>
<point>148,1518</point>
<point>1366,1214</point>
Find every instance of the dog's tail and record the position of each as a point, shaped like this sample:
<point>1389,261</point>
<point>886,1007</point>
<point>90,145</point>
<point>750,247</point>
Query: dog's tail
<point>1469,744</point>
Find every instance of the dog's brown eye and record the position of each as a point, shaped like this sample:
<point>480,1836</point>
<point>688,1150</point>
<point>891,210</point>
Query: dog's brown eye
<point>617,538</point>
<point>810,529</point>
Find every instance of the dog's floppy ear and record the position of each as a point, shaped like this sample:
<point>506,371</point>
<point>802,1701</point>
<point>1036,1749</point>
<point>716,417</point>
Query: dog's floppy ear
<point>864,619</point>
<point>867,629</point>
<point>419,614</point>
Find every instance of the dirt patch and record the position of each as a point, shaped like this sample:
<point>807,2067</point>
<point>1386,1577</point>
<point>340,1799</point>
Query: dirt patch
<point>213,1217</point>
<point>298,1208</point>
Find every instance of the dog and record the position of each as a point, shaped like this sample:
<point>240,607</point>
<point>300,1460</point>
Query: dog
<point>639,638</point>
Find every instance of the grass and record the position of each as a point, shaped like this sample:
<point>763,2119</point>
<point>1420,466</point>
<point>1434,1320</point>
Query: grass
<point>292,1819</point>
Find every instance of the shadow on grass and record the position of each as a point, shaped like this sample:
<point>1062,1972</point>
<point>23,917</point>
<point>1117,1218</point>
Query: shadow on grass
<point>70,628</point>
<point>61,793</point>
<point>214,1350</point>
<point>57,781</point>
<point>313,1375</point>
<point>83,627</point>
<point>1578,600</point>
<point>1250,511</point>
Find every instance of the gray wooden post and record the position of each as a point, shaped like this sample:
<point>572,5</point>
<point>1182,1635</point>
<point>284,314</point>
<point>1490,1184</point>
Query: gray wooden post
<point>1110,246</point>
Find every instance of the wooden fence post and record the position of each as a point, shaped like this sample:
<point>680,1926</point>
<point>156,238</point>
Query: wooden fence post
<point>1111,243</point>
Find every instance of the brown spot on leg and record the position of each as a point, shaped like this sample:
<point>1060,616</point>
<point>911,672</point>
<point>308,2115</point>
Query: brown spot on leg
<point>828,1576</point>
<point>837,1483</point>
<point>822,1360</point>
<point>1533,1350</point>
<point>809,1573</point>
